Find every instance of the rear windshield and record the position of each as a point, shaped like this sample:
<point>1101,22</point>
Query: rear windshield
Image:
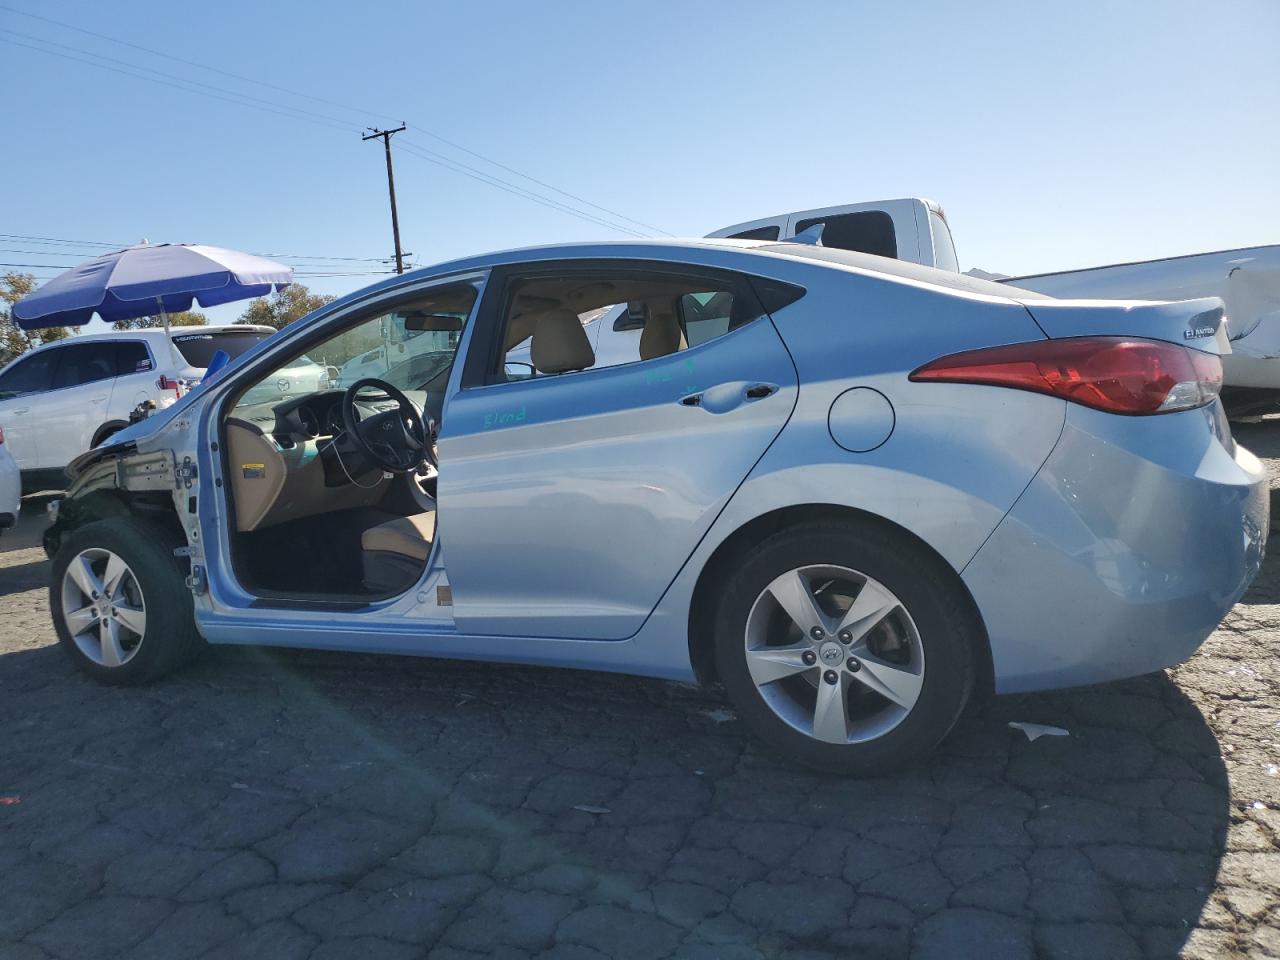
<point>198,348</point>
<point>867,231</point>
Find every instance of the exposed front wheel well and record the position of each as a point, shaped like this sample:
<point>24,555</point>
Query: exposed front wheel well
<point>706,591</point>
<point>106,430</point>
<point>154,508</point>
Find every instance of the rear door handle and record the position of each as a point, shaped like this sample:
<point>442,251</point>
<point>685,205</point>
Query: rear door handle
<point>20,410</point>
<point>724,397</point>
<point>99,399</point>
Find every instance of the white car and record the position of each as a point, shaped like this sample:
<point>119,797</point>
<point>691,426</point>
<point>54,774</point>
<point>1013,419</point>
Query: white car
<point>66,397</point>
<point>10,487</point>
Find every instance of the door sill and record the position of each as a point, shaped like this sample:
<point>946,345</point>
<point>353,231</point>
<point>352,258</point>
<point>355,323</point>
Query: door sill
<point>317,603</point>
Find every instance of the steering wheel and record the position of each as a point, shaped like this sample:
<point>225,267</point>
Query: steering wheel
<point>396,440</point>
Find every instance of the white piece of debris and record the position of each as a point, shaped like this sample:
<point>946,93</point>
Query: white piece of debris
<point>589,808</point>
<point>720,715</point>
<point>1035,731</point>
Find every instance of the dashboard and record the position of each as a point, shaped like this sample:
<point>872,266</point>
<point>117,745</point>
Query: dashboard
<point>314,416</point>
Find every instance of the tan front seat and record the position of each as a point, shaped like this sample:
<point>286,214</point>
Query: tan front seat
<point>661,334</point>
<point>559,343</point>
<point>395,552</point>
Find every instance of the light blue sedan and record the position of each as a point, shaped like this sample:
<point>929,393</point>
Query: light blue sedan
<point>855,492</point>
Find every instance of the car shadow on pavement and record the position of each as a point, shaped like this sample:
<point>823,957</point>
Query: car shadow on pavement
<point>263,802</point>
<point>19,578</point>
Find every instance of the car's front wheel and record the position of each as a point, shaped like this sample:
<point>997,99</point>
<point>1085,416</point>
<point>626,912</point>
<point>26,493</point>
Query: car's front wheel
<point>119,603</point>
<point>846,647</point>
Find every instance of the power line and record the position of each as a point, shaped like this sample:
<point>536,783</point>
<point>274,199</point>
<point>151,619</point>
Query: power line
<point>574,196</point>
<point>333,103</point>
<point>352,273</point>
<point>443,161</point>
<point>44,266</point>
<point>43,253</point>
<point>449,164</point>
<point>78,243</point>
<point>142,76</point>
<point>117,246</point>
<point>183,60</point>
<point>299,256</point>
<point>343,124</point>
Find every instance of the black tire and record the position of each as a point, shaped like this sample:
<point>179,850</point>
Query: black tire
<point>106,432</point>
<point>929,591</point>
<point>169,639</point>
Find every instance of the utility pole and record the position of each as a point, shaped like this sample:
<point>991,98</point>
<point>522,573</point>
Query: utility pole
<point>385,135</point>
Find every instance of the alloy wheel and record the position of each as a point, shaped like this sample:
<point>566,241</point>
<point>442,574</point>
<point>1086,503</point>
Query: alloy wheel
<point>834,653</point>
<point>103,607</point>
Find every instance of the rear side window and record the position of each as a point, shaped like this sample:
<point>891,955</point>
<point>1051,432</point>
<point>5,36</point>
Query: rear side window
<point>705,315</point>
<point>664,314</point>
<point>870,231</point>
<point>198,348</point>
<point>85,363</point>
<point>759,233</point>
<point>132,357</point>
<point>30,374</point>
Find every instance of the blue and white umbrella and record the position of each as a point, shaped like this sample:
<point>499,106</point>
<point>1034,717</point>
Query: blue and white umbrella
<point>147,279</point>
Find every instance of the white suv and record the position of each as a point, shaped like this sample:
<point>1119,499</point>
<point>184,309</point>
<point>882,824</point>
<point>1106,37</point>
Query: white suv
<point>66,397</point>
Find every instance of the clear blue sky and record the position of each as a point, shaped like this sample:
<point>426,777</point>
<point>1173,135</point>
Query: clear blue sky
<point>1055,135</point>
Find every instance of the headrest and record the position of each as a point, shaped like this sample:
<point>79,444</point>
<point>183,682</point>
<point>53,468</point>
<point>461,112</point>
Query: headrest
<point>661,335</point>
<point>559,343</point>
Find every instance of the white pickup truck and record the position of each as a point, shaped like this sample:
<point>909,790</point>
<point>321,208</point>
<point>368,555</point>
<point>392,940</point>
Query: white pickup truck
<point>911,229</point>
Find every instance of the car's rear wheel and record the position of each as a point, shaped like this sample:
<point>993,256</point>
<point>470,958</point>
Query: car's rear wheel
<point>120,606</point>
<point>849,648</point>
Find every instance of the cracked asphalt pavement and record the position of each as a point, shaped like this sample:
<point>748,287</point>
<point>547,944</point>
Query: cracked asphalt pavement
<point>298,805</point>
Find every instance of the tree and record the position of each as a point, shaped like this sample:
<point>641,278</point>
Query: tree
<point>14,341</point>
<point>284,306</point>
<point>183,318</point>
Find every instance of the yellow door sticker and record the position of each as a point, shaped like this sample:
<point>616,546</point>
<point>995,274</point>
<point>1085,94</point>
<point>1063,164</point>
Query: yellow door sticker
<point>253,471</point>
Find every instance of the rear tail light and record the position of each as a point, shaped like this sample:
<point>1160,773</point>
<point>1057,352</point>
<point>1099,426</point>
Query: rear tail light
<point>168,383</point>
<point>1115,374</point>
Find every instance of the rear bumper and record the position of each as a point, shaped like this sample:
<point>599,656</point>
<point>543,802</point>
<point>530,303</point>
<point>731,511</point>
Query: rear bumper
<point>1125,551</point>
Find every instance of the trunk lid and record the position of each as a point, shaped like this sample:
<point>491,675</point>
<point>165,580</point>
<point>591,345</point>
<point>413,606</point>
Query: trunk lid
<point>1199,324</point>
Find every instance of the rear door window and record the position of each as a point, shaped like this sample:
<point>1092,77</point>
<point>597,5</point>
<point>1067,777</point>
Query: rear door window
<point>705,315</point>
<point>30,374</point>
<point>85,363</point>
<point>132,357</point>
<point>662,312</point>
<point>870,231</point>
<point>198,348</point>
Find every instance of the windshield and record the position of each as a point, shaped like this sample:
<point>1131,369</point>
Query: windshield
<point>383,347</point>
<point>198,348</point>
